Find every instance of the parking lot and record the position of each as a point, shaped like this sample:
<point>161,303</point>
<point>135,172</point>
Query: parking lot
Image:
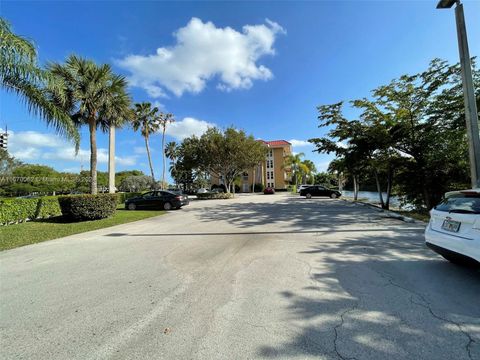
<point>258,276</point>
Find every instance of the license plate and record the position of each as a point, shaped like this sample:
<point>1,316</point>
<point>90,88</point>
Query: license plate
<point>450,225</point>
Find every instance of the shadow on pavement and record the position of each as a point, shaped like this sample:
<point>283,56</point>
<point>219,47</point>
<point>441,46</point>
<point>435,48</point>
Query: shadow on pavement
<point>377,296</point>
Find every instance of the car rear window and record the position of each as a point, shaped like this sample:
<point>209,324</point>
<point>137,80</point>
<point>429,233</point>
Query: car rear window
<point>461,203</point>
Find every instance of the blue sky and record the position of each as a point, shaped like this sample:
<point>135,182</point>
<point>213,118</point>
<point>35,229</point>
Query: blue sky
<point>259,66</point>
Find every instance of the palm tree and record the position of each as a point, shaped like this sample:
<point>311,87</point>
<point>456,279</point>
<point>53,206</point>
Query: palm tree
<point>310,169</point>
<point>145,119</point>
<point>171,152</point>
<point>293,162</point>
<point>163,120</point>
<point>116,115</point>
<point>93,96</point>
<point>19,73</point>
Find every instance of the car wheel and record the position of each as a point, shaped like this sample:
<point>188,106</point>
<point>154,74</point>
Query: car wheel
<point>333,195</point>
<point>132,206</point>
<point>308,196</point>
<point>167,206</point>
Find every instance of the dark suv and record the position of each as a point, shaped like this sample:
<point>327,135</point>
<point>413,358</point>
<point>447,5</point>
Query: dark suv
<point>318,190</point>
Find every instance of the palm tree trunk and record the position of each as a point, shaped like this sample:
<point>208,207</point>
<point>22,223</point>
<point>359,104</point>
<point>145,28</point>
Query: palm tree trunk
<point>111,159</point>
<point>163,155</point>
<point>93,155</point>
<point>149,157</point>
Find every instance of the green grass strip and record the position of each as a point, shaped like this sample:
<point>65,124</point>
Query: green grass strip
<point>32,232</point>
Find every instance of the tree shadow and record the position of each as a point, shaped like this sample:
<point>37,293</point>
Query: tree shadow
<point>377,296</point>
<point>298,212</point>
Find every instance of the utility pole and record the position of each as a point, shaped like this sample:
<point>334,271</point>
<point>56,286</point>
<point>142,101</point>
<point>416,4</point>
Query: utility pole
<point>471,113</point>
<point>111,159</point>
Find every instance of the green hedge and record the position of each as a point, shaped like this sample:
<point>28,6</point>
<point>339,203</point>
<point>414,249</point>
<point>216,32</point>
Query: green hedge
<point>13,211</point>
<point>88,207</point>
<point>17,210</point>
<point>209,196</point>
<point>47,206</point>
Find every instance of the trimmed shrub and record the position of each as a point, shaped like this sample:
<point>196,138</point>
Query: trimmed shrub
<point>210,196</point>
<point>17,210</point>
<point>88,207</point>
<point>47,206</point>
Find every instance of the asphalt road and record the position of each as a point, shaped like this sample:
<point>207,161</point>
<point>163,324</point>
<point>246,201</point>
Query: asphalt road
<point>257,277</point>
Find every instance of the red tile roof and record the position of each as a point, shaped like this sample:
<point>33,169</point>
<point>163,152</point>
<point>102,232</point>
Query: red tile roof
<point>276,142</point>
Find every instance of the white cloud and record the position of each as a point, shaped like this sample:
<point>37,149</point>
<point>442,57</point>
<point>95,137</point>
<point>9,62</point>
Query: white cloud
<point>83,156</point>
<point>202,52</point>
<point>37,139</point>
<point>187,127</point>
<point>31,146</point>
<point>299,143</point>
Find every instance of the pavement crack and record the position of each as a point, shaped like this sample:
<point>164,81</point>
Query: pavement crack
<point>335,330</point>
<point>427,305</point>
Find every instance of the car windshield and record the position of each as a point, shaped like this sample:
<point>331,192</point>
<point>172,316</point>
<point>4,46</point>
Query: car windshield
<point>468,203</point>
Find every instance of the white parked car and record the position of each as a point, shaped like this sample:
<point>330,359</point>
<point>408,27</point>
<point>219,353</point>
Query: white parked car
<point>454,227</point>
<point>202,191</point>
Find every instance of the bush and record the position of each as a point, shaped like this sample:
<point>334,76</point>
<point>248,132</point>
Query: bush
<point>258,187</point>
<point>209,196</point>
<point>88,207</point>
<point>17,210</point>
<point>47,206</point>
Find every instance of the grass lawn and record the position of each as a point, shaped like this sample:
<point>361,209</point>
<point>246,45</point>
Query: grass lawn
<point>32,232</point>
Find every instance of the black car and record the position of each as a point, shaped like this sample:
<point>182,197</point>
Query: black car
<point>160,199</point>
<point>318,190</point>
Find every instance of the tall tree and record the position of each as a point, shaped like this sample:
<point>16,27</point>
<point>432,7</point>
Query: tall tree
<point>172,152</point>
<point>163,120</point>
<point>309,171</point>
<point>293,162</point>
<point>145,120</point>
<point>93,95</point>
<point>8,163</point>
<point>228,153</point>
<point>412,129</point>
<point>20,73</point>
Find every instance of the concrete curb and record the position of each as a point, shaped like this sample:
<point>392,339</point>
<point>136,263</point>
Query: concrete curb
<point>386,213</point>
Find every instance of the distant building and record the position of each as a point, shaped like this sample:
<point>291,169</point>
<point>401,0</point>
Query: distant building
<point>270,172</point>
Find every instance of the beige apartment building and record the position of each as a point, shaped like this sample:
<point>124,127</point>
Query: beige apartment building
<point>270,172</point>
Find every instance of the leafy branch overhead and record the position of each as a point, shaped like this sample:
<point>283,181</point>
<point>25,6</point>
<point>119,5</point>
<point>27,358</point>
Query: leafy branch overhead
<point>409,135</point>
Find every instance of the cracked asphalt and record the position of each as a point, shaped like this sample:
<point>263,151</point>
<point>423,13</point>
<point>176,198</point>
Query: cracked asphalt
<point>256,277</point>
